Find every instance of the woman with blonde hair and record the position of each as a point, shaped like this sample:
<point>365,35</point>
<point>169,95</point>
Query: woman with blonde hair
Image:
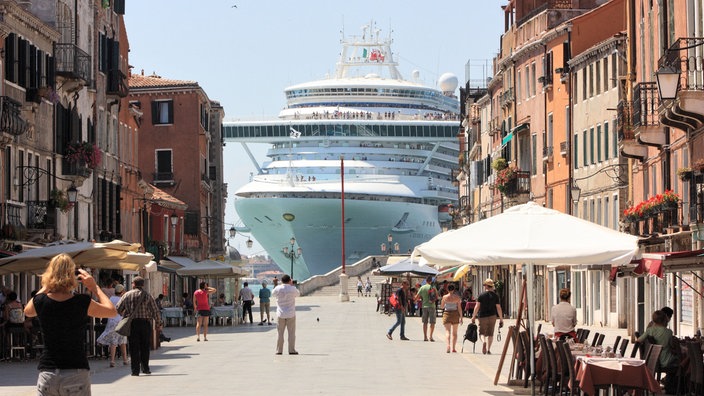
<point>63,365</point>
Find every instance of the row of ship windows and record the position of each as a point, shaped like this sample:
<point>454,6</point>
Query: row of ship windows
<point>315,130</point>
<point>390,92</point>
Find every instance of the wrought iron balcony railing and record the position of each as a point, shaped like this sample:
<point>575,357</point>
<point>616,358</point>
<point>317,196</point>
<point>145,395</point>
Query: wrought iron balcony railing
<point>686,56</point>
<point>41,214</point>
<point>11,117</point>
<point>117,83</point>
<point>507,97</point>
<point>624,121</point>
<point>657,222</point>
<point>72,62</point>
<point>645,105</point>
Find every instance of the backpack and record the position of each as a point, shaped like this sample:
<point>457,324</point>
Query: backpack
<point>432,295</point>
<point>393,300</point>
<point>16,315</point>
<point>471,333</point>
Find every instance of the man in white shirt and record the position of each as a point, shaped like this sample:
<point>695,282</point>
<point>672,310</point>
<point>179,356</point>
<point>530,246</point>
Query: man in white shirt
<point>285,295</point>
<point>247,297</point>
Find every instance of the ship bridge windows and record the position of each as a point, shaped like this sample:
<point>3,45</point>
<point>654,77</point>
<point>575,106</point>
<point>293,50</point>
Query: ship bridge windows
<point>246,132</point>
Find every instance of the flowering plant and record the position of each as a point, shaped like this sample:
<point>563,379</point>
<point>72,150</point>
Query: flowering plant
<point>60,200</point>
<point>653,205</point>
<point>504,177</point>
<point>85,152</point>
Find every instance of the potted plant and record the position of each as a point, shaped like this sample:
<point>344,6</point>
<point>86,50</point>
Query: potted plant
<point>499,164</point>
<point>505,179</point>
<point>685,174</point>
<point>84,153</point>
<point>59,200</point>
<point>698,165</point>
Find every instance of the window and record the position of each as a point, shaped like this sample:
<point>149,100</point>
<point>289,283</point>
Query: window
<point>591,80</point>
<point>597,83</point>
<point>584,84</point>
<point>164,165</point>
<point>614,71</point>
<point>518,86</point>
<point>614,139</point>
<point>607,218</point>
<point>162,112</point>
<point>599,219</point>
<point>585,158</point>
<point>549,142</point>
<point>575,152</point>
<point>605,62</point>
<point>534,149</point>
<point>533,78</point>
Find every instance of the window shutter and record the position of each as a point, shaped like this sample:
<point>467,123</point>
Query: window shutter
<point>50,71</point>
<point>22,61</point>
<point>10,59</point>
<point>171,111</point>
<point>119,7</point>
<point>32,68</point>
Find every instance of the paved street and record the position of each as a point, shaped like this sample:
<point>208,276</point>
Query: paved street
<point>344,353</point>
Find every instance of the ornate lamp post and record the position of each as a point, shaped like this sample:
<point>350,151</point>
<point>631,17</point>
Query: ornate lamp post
<point>291,253</point>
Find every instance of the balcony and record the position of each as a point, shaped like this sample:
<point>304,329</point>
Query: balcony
<point>662,222</point>
<point>629,147</point>
<point>12,227</point>
<point>507,97</point>
<point>116,84</point>
<point>77,169</point>
<point>41,215</point>
<point>163,179</point>
<point>11,120</point>
<point>72,63</point>
<point>646,119</point>
<point>686,112</point>
<point>518,185</point>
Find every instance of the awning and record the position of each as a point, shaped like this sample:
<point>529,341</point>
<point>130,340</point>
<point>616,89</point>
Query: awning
<point>659,263</point>
<point>513,132</point>
<point>507,139</point>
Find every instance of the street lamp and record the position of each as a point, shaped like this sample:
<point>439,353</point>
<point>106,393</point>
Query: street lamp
<point>668,80</point>
<point>233,232</point>
<point>291,253</point>
<point>575,191</point>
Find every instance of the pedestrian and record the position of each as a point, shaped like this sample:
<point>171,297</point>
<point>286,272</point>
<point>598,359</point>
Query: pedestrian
<point>368,287</point>
<point>659,334</point>
<point>428,296</point>
<point>142,307</point>
<point>201,298</point>
<point>111,338</point>
<point>360,287</point>
<point>488,309</point>
<point>63,314</point>
<point>275,282</point>
<point>285,295</point>
<point>451,305</point>
<point>400,310</point>
<point>159,301</point>
<point>564,317</point>
<point>264,303</point>
<point>247,297</point>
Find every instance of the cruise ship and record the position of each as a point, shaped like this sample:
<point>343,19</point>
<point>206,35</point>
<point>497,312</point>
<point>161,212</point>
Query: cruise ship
<point>396,140</point>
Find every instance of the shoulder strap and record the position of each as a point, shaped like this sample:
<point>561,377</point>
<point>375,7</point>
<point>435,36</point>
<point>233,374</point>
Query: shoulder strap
<point>142,297</point>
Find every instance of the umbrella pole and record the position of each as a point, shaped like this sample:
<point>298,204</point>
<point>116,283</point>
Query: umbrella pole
<point>530,318</point>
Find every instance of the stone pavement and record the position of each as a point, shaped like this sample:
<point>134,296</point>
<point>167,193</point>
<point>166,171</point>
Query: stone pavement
<point>343,351</point>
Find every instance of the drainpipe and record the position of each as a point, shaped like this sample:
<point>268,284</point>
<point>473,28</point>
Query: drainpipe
<point>570,129</point>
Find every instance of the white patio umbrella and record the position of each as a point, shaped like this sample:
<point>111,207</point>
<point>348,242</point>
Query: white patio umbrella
<point>110,255</point>
<point>407,266</point>
<point>211,268</point>
<point>530,234</point>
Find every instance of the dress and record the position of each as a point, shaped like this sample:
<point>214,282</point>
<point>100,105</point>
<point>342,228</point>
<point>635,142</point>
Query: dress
<point>109,336</point>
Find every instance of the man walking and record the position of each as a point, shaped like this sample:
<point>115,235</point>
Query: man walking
<point>428,295</point>
<point>400,310</point>
<point>264,303</point>
<point>285,295</point>
<point>247,297</point>
<point>488,309</point>
<point>138,303</point>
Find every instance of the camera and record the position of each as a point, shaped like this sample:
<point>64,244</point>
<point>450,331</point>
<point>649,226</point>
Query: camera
<point>77,272</point>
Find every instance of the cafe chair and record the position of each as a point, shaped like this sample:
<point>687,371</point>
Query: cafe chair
<point>583,337</point>
<point>525,341</point>
<point>652,357</point>
<point>636,348</point>
<point>571,383</point>
<point>596,338</point>
<point>549,383</point>
<point>521,359</point>
<point>624,346</point>
<point>600,341</point>
<point>615,347</point>
<point>578,335</point>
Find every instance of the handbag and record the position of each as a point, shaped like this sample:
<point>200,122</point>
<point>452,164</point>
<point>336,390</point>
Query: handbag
<point>124,326</point>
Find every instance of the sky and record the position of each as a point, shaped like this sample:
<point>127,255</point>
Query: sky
<point>243,53</point>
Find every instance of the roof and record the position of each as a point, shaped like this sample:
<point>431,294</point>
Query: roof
<point>154,81</point>
<point>160,197</point>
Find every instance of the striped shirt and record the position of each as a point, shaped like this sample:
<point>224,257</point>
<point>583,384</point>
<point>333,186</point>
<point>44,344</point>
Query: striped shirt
<point>146,310</point>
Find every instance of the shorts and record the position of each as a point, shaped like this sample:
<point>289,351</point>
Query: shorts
<point>203,312</point>
<point>486,326</point>
<point>64,382</point>
<point>429,315</point>
<point>451,317</point>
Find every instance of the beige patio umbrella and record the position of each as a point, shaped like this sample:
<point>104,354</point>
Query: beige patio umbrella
<point>110,255</point>
<point>461,271</point>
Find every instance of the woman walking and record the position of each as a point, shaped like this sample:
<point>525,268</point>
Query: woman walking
<point>109,336</point>
<point>451,305</point>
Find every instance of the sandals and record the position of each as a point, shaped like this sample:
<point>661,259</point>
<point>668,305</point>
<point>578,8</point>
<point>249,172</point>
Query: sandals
<point>112,364</point>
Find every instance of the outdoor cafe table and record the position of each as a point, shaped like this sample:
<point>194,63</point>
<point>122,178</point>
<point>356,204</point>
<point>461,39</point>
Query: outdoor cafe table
<point>223,311</point>
<point>626,373</point>
<point>172,313</point>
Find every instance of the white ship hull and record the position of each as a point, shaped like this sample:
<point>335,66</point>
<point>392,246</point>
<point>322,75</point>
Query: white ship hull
<point>318,231</point>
